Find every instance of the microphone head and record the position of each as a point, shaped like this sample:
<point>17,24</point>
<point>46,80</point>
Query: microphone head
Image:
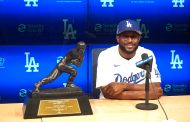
<point>146,62</point>
<point>144,56</point>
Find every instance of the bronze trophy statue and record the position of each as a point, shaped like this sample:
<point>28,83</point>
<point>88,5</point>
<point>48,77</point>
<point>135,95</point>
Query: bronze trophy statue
<point>45,102</point>
<point>75,56</point>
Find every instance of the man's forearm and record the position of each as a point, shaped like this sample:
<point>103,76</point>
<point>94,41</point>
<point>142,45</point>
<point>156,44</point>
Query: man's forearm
<point>136,95</point>
<point>141,87</point>
<point>130,91</point>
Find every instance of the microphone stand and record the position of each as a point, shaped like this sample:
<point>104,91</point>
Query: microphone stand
<point>147,105</point>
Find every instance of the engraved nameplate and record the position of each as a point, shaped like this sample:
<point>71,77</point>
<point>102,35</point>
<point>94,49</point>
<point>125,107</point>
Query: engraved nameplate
<point>58,107</point>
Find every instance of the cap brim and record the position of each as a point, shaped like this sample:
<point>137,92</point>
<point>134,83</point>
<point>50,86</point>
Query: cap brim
<point>138,32</point>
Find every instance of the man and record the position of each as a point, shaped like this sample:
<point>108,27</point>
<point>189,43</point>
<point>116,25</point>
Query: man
<point>118,77</point>
<point>75,56</point>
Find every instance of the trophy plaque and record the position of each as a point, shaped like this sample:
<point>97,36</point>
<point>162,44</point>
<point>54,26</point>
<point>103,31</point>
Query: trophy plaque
<point>63,101</point>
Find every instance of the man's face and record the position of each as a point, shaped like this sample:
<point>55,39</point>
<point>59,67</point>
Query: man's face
<point>81,49</point>
<point>128,41</point>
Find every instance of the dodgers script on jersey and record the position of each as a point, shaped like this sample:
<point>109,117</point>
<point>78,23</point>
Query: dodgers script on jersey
<point>114,68</point>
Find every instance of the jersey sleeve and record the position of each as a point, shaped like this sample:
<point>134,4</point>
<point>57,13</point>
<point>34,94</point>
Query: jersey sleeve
<point>155,74</point>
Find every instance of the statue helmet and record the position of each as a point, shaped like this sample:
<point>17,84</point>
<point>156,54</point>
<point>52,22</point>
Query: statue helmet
<point>81,44</point>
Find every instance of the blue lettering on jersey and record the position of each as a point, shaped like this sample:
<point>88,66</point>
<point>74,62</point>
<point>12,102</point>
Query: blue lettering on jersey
<point>133,78</point>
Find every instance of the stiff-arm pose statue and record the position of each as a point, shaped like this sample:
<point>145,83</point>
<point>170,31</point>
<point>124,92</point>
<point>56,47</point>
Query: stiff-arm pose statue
<point>74,56</point>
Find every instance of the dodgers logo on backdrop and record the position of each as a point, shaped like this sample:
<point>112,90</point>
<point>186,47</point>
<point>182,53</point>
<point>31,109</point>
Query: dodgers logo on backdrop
<point>31,3</point>
<point>69,32</point>
<point>31,63</point>
<point>107,3</point>
<point>144,30</point>
<point>2,62</point>
<point>175,60</point>
<point>178,3</point>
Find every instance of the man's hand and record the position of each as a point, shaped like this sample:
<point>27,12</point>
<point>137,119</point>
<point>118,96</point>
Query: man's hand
<point>113,89</point>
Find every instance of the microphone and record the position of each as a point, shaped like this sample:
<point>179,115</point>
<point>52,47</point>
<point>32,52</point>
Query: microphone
<point>146,64</point>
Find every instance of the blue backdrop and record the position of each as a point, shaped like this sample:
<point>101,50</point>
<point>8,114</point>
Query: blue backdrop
<point>34,34</point>
<point>42,22</point>
<point>22,66</point>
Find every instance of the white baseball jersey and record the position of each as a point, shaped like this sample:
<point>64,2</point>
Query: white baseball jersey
<point>114,68</point>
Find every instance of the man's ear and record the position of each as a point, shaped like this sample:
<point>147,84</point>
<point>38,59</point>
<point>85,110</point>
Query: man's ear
<point>117,38</point>
<point>140,37</point>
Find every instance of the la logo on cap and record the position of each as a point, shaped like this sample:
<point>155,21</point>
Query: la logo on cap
<point>128,24</point>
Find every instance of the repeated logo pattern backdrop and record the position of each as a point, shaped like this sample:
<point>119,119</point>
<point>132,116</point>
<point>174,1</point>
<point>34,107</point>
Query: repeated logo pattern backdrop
<point>27,27</point>
<point>36,22</point>
<point>39,22</point>
<point>22,66</point>
<point>160,21</point>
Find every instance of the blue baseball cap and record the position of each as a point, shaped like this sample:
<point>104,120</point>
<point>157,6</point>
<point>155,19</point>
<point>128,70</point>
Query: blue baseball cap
<point>128,25</point>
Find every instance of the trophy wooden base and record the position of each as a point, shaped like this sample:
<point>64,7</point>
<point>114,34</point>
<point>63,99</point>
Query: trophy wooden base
<point>66,101</point>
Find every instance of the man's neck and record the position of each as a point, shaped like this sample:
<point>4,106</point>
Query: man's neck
<point>126,55</point>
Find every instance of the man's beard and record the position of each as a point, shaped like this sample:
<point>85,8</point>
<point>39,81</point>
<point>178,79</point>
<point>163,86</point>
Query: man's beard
<point>127,51</point>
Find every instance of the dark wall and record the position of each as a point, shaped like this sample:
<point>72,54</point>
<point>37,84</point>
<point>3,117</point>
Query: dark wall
<point>47,22</point>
